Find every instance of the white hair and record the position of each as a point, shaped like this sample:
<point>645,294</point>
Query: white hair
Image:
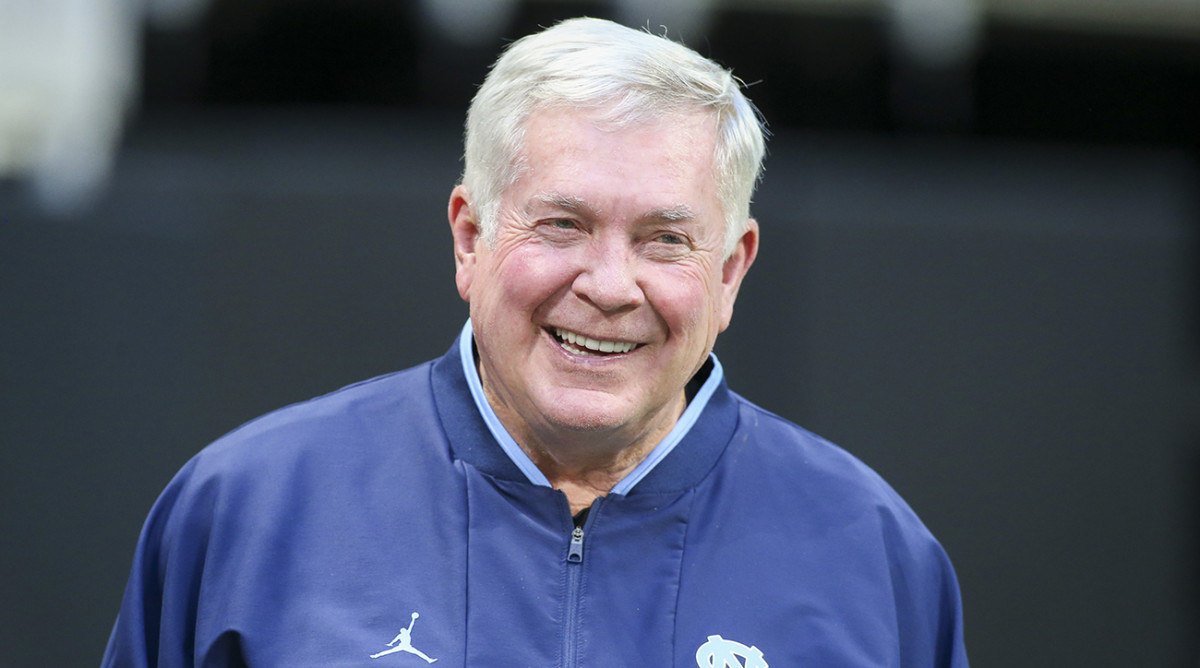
<point>626,75</point>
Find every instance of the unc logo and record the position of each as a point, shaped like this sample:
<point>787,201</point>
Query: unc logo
<point>721,653</point>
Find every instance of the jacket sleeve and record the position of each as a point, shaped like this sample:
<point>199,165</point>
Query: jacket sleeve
<point>950,648</point>
<point>157,621</point>
<point>927,597</point>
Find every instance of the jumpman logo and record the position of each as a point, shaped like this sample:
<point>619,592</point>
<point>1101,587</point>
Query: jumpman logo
<point>405,643</point>
<point>721,653</point>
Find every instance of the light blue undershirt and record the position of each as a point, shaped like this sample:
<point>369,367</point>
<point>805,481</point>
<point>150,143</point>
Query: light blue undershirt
<point>692,413</point>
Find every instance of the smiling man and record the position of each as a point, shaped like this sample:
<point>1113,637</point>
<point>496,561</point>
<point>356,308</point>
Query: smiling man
<point>573,483</point>
<point>602,288</point>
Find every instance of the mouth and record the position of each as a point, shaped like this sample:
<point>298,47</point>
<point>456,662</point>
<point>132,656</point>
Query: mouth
<point>578,344</point>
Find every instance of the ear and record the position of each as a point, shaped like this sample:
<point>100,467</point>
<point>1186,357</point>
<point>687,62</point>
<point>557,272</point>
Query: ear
<point>735,268</point>
<point>465,229</point>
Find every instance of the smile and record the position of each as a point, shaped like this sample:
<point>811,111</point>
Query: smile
<point>578,344</point>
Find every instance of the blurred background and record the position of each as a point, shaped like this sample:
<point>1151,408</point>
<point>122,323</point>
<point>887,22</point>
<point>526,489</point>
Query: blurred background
<point>979,218</point>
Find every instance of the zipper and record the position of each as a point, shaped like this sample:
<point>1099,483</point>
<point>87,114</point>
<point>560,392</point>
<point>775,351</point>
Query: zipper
<point>575,551</point>
<point>574,580</point>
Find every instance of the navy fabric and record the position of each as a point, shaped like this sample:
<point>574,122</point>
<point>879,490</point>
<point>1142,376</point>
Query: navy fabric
<point>384,521</point>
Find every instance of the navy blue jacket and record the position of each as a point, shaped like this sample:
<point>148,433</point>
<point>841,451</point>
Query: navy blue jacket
<point>382,525</point>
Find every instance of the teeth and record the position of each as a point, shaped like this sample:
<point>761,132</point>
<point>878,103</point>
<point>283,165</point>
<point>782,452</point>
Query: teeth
<point>577,341</point>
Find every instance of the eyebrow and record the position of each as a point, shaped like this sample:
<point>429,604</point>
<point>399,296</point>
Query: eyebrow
<point>678,212</point>
<point>560,201</point>
<point>674,213</point>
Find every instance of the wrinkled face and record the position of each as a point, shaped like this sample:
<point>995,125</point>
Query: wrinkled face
<point>605,287</point>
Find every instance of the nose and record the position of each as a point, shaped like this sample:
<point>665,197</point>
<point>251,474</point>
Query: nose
<point>609,279</point>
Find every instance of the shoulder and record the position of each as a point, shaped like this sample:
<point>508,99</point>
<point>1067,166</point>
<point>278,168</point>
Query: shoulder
<point>821,494</point>
<point>779,444</point>
<point>805,475</point>
<point>783,490</point>
<point>330,450</point>
<point>341,421</point>
<point>320,447</point>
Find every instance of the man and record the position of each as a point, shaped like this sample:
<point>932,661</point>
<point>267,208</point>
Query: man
<point>572,484</point>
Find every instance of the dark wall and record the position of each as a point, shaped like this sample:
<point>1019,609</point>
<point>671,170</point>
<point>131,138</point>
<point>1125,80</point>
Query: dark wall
<point>1001,322</point>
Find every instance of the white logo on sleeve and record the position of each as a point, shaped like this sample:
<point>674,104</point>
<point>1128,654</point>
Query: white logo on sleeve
<point>403,643</point>
<point>721,653</point>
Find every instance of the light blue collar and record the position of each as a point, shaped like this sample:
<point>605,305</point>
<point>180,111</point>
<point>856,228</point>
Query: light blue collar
<point>517,455</point>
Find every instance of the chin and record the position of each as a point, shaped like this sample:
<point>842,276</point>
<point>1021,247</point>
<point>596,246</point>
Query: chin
<point>591,421</point>
<point>586,418</point>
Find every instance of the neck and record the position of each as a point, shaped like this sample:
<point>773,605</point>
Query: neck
<point>586,464</point>
<point>583,473</point>
<point>580,494</point>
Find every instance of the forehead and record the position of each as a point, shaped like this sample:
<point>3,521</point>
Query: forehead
<point>610,123</point>
<point>569,151</point>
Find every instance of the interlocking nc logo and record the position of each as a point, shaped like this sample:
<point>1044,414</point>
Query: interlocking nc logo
<point>721,653</point>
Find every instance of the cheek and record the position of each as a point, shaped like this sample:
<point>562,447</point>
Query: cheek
<point>688,300</point>
<point>530,276</point>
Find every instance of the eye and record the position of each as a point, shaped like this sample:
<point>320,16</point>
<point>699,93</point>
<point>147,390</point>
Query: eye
<point>671,238</point>
<point>565,224</point>
<point>560,230</point>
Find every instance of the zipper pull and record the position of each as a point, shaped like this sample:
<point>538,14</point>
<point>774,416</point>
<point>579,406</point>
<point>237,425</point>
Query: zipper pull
<point>575,552</point>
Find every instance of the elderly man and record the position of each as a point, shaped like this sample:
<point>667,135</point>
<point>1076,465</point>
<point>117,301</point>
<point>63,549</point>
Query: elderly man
<point>572,484</point>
